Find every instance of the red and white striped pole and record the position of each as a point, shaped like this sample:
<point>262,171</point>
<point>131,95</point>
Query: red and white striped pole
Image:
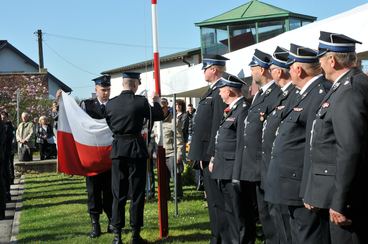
<point>161,165</point>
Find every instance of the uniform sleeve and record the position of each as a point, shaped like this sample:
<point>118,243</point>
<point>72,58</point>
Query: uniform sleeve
<point>349,123</point>
<point>239,143</point>
<point>218,107</point>
<point>156,110</point>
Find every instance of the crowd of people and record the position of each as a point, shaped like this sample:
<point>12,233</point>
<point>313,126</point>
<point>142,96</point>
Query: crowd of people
<point>292,157</point>
<point>24,140</point>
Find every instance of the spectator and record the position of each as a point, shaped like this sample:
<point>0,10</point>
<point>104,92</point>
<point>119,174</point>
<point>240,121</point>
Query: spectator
<point>25,138</point>
<point>8,169</point>
<point>190,114</point>
<point>45,138</point>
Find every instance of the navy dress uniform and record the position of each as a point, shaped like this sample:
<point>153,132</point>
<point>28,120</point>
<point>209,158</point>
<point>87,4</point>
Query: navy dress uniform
<point>228,140</point>
<point>98,186</point>
<point>250,172</point>
<point>288,159</point>
<point>206,123</point>
<point>125,115</point>
<point>339,149</point>
<point>279,213</point>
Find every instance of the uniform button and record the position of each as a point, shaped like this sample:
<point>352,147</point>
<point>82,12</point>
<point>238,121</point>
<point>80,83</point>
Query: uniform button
<point>294,175</point>
<point>326,171</point>
<point>245,146</point>
<point>262,152</point>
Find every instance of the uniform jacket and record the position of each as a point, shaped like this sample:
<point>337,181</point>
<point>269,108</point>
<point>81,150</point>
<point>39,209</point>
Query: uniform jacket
<point>270,125</point>
<point>93,108</point>
<point>125,115</point>
<point>206,123</point>
<point>227,142</point>
<point>252,141</point>
<point>285,172</point>
<point>339,148</point>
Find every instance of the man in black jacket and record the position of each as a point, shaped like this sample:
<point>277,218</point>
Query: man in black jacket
<point>125,115</point>
<point>250,173</point>
<point>99,186</point>
<point>337,179</point>
<point>280,73</point>
<point>223,163</point>
<point>288,157</point>
<point>2,183</point>
<point>206,123</point>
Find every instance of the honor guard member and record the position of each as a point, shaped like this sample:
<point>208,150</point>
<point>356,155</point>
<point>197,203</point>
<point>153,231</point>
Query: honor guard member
<point>125,115</point>
<point>2,162</point>
<point>263,102</point>
<point>222,166</point>
<point>339,145</point>
<point>288,156</point>
<point>206,123</point>
<point>99,186</point>
<point>279,70</point>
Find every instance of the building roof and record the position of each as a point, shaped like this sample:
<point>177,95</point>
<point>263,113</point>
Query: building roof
<point>250,12</point>
<point>4,44</point>
<point>163,59</point>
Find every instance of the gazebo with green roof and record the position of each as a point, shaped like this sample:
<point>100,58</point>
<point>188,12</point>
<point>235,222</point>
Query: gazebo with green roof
<point>246,25</point>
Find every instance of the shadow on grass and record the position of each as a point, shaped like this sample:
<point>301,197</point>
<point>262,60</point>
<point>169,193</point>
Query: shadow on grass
<point>41,184</point>
<point>75,201</point>
<point>195,237</point>
<point>28,198</point>
<point>47,237</point>
<point>57,189</point>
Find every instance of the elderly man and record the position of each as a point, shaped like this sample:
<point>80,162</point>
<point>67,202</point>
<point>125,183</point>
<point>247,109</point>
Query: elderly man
<point>288,157</point>
<point>25,137</point>
<point>125,115</point>
<point>223,166</point>
<point>337,178</point>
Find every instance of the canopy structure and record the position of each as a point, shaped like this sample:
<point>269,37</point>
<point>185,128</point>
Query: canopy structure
<point>189,82</point>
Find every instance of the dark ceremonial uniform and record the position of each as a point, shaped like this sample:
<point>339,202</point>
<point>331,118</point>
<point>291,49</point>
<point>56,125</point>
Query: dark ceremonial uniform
<point>98,186</point>
<point>226,151</point>
<point>339,155</point>
<point>287,163</point>
<point>2,183</point>
<point>279,213</point>
<point>125,115</point>
<point>252,152</point>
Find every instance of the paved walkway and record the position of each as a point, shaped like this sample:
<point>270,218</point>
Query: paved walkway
<point>9,226</point>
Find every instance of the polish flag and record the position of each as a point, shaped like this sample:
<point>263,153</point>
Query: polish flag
<point>84,144</point>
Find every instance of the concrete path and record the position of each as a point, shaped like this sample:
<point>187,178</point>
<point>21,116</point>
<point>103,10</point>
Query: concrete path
<point>9,226</point>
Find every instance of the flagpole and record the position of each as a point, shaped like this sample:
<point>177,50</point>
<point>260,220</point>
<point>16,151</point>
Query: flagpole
<point>161,165</point>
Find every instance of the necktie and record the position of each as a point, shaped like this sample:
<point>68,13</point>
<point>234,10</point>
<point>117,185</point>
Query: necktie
<point>103,109</point>
<point>226,111</point>
<point>259,93</point>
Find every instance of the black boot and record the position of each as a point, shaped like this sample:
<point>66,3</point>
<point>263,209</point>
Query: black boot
<point>96,228</point>
<point>2,214</point>
<point>110,228</point>
<point>117,237</point>
<point>136,237</point>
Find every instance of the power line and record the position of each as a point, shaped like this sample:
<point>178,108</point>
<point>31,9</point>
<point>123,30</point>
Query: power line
<point>109,43</point>
<point>67,61</point>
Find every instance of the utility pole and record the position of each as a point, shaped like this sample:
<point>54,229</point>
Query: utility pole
<point>40,51</point>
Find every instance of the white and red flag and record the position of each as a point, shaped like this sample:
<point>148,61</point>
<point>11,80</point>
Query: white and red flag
<point>84,144</point>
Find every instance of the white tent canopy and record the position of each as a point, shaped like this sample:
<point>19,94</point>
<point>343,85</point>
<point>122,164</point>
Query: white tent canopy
<point>351,23</point>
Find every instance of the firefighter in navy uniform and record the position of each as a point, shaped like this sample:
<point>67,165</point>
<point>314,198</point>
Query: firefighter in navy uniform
<point>280,74</point>
<point>125,115</point>
<point>99,186</point>
<point>263,102</point>
<point>223,166</point>
<point>206,123</point>
<point>337,179</point>
<point>288,157</point>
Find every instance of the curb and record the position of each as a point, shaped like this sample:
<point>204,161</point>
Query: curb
<point>18,206</point>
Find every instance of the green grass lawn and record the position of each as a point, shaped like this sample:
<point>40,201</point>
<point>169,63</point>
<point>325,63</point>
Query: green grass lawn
<point>55,211</point>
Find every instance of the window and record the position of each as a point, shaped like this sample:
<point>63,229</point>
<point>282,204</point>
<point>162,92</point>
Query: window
<point>269,29</point>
